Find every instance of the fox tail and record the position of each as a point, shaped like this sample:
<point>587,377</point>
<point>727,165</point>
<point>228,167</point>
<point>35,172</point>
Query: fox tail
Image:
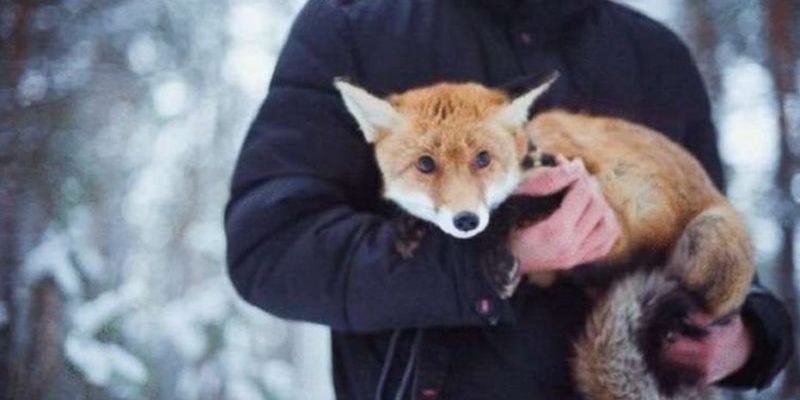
<point>619,356</point>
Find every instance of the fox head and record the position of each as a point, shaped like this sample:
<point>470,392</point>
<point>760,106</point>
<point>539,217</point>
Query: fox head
<point>448,153</point>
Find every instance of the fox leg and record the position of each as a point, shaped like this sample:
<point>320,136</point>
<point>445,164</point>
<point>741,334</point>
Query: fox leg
<point>713,259</point>
<point>410,232</point>
<point>520,211</point>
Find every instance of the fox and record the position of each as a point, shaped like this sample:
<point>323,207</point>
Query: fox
<point>451,155</point>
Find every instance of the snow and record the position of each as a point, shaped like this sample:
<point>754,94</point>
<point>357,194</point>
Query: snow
<point>91,316</point>
<point>170,97</point>
<point>142,54</point>
<point>101,362</point>
<point>657,9</point>
<point>52,258</point>
<point>32,87</point>
<point>313,346</point>
<point>160,94</point>
<point>748,121</point>
<point>279,376</point>
<point>248,66</point>
<point>186,320</point>
<point>250,20</point>
<point>241,389</point>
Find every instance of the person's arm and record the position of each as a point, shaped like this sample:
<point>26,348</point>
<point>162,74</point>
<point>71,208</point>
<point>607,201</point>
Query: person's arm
<point>766,318</point>
<point>301,242</point>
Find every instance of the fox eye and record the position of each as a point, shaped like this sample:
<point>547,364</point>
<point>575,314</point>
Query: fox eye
<point>426,165</point>
<point>483,159</point>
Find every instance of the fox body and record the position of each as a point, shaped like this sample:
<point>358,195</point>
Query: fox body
<point>450,154</point>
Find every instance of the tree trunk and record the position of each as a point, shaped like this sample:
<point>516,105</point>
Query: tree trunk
<point>44,358</point>
<point>31,338</point>
<point>703,38</point>
<point>10,259</point>
<point>9,262</point>
<point>782,57</point>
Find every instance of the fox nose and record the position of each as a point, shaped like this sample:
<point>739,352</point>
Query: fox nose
<point>466,221</point>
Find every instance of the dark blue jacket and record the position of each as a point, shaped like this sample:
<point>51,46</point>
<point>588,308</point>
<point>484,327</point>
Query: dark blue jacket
<point>308,238</point>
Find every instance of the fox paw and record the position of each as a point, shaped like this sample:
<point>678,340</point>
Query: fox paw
<point>501,269</point>
<point>410,232</point>
<point>667,317</point>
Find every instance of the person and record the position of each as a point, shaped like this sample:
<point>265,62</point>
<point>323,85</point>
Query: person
<point>309,237</point>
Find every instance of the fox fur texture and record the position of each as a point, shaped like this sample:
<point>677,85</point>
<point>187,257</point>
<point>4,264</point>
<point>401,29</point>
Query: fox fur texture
<point>618,357</point>
<point>452,154</point>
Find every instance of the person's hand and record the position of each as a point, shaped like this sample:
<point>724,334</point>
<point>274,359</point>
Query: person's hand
<point>583,229</point>
<point>724,351</point>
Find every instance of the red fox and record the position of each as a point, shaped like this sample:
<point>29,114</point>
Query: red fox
<point>452,153</point>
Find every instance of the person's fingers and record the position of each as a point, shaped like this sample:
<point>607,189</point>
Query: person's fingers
<point>598,243</point>
<point>549,180</point>
<point>611,240</point>
<point>687,350</point>
<point>715,356</point>
<point>701,319</point>
<point>605,229</point>
<point>573,207</point>
<point>556,232</point>
<point>602,238</point>
<point>595,212</point>
<point>609,234</point>
<point>598,190</point>
<point>589,224</point>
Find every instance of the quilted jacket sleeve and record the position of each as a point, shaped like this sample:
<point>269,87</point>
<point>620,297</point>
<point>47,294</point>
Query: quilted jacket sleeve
<point>303,243</point>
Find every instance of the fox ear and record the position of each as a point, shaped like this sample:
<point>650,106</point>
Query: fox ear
<point>515,114</point>
<point>373,114</point>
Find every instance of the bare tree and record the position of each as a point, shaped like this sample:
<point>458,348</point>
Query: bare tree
<point>703,38</point>
<point>779,23</point>
<point>31,334</point>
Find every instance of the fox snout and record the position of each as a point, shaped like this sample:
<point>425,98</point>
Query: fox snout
<point>466,221</point>
<point>463,224</point>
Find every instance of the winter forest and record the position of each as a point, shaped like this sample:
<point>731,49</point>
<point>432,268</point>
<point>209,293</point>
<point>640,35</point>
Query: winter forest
<point>120,121</point>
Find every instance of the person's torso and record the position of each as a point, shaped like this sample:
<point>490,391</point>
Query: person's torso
<point>524,360</point>
<point>601,52</point>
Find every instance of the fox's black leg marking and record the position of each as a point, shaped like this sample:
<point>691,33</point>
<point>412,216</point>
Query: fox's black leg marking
<point>500,267</point>
<point>527,162</point>
<point>410,233</point>
<point>534,159</point>
<point>547,160</point>
<point>663,320</point>
<point>520,210</point>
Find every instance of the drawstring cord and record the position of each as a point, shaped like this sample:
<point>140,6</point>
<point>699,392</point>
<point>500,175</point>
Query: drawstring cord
<point>401,391</point>
<point>387,364</point>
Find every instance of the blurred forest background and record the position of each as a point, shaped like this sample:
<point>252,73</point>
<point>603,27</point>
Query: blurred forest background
<point>120,121</point>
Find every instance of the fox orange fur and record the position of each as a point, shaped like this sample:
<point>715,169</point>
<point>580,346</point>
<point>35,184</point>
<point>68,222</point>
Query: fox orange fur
<point>450,154</point>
